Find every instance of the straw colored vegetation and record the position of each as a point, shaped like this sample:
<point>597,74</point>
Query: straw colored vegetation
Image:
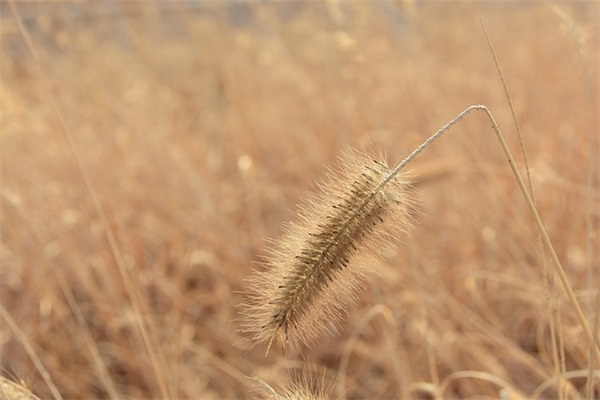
<point>147,154</point>
<point>10,390</point>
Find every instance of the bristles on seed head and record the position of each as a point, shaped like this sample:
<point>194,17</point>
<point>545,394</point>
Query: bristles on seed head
<point>314,270</point>
<point>306,385</point>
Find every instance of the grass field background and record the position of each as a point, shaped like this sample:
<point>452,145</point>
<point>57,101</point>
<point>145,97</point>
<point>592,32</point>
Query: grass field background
<point>149,150</point>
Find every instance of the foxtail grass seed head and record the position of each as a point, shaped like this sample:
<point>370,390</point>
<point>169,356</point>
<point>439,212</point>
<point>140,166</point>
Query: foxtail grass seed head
<point>314,270</point>
<point>303,387</point>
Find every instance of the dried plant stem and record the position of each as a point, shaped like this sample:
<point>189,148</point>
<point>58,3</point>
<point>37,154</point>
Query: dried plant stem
<point>545,238</point>
<point>31,352</point>
<point>505,386</point>
<point>512,109</point>
<point>537,393</point>
<point>136,299</point>
<point>579,38</point>
<point>538,221</point>
<point>429,351</point>
<point>556,340</point>
<point>99,362</point>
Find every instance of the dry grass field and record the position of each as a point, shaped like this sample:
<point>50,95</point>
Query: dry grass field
<point>149,151</point>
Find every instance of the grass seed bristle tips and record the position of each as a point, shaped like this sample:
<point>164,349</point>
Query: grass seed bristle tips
<point>314,270</point>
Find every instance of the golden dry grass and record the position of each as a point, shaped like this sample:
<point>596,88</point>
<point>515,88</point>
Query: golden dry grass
<point>201,130</point>
<point>10,390</point>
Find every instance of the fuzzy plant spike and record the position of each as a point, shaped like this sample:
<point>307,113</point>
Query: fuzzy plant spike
<point>315,269</point>
<point>313,272</point>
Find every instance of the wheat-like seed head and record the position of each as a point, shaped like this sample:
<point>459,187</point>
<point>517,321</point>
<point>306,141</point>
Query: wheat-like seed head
<point>313,272</point>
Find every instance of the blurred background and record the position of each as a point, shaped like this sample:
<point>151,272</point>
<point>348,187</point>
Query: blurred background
<point>150,149</point>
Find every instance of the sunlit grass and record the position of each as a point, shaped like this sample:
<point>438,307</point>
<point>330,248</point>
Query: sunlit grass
<point>202,130</point>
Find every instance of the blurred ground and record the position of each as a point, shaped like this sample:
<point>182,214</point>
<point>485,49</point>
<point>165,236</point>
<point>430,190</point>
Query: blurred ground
<point>199,127</point>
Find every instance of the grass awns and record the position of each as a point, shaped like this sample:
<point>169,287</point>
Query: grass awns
<point>314,270</point>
